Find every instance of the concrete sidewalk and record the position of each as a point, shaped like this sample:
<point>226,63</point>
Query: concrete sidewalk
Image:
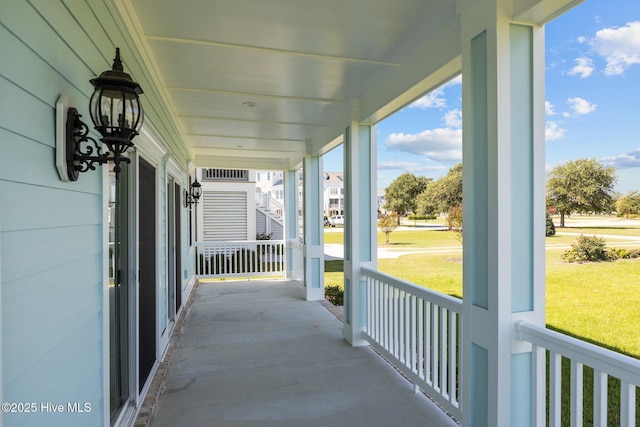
<point>256,354</point>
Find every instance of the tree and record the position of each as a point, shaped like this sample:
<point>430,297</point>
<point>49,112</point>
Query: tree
<point>387,224</point>
<point>628,204</point>
<point>454,219</point>
<point>582,185</point>
<point>443,194</point>
<point>401,195</point>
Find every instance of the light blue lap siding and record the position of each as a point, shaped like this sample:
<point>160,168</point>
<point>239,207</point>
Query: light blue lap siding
<point>51,231</point>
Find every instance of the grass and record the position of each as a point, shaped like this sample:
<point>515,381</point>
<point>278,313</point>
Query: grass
<point>403,239</point>
<point>625,231</point>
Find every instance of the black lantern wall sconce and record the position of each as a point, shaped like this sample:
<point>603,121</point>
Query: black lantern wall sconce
<point>194,193</point>
<point>116,114</point>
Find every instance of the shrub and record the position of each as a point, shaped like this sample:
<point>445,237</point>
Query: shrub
<point>334,294</point>
<point>551,228</point>
<point>588,249</point>
<point>245,261</point>
<point>214,264</point>
<point>621,253</point>
<point>387,224</point>
<point>414,217</point>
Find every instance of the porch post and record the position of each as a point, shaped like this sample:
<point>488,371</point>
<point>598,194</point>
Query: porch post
<point>503,149</point>
<point>313,229</point>
<point>291,222</point>
<point>360,237</point>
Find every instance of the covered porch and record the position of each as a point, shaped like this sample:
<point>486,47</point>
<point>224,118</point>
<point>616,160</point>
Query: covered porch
<point>256,353</point>
<point>276,85</point>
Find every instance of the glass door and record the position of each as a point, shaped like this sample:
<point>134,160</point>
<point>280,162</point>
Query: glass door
<point>119,291</point>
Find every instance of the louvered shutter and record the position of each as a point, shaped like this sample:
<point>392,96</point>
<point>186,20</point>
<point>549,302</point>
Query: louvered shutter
<point>224,215</point>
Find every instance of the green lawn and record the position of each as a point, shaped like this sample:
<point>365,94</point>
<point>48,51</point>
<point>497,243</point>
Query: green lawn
<point>625,231</point>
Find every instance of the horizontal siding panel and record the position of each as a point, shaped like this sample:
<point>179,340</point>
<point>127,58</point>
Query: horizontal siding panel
<point>52,307</point>
<point>76,356</point>
<point>34,330</point>
<point>30,207</point>
<point>41,78</point>
<point>28,253</point>
<point>26,161</point>
<point>29,26</point>
<point>34,32</point>
<point>26,115</point>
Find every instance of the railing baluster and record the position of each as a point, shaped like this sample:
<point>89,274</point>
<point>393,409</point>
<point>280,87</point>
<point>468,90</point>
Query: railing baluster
<point>600,386</point>
<point>443,353</point>
<point>555,376</point>
<point>412,359</point>
<point>577,392</point>
<point>387,315</point>
<point>627,404</point>
<point>420,323</point>
<point>452,360</point>
<point>435,345</point>
<point>539,392</point>
<point>428,342</point>
<point>407,330</point>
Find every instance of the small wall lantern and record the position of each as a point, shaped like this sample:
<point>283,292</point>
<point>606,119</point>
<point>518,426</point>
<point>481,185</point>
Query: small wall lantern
<point>116,114</point>
<point>195,191</point>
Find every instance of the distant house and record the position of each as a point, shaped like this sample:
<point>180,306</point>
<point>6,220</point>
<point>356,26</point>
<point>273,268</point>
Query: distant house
<point>333,193</point>
<point>234,207</point>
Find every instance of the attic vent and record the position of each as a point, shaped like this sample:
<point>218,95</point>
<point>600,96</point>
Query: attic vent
<point>225,175</point>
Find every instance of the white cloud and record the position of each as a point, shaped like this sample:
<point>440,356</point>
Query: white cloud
<point>433,99</point>
<point>624,161</point>
<point>442,145</point>
<point>410,167</point>
<point>453,118</point>
<point>620,47</point>
<point>580,106</point>
<point>583,68</point>
<point>548,109</point>
<point>553,131</point>
<point>392,165</point>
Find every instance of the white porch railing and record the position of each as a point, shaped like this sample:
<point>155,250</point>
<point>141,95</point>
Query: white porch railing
<point>265,201</point>
<point>605,364</point>
<point>418,330</point>
<point>240,259</point>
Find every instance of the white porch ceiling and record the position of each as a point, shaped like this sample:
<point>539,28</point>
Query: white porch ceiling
<point>309,67</point>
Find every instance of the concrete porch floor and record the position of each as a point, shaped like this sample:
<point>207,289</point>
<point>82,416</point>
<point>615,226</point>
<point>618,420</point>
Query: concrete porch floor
<point>256,354</point>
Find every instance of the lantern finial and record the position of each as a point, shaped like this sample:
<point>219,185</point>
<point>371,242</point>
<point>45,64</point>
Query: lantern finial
<point>117,62</point>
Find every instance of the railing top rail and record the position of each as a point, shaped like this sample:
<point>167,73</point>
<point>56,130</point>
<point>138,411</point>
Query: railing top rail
<point>446,301</point>
<point>599,358</point>
<point>236,242</point>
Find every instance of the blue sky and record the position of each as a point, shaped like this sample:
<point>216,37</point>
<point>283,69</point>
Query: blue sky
<point>592,102</point>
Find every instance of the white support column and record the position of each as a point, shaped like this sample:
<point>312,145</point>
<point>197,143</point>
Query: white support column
<point>503,149</point>
<point>360,236</point>
<point>291,223</point>
<point>313,229</point>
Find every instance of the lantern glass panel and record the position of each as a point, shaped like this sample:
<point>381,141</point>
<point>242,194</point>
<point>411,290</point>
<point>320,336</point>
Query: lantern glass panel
<point>116,112</point>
